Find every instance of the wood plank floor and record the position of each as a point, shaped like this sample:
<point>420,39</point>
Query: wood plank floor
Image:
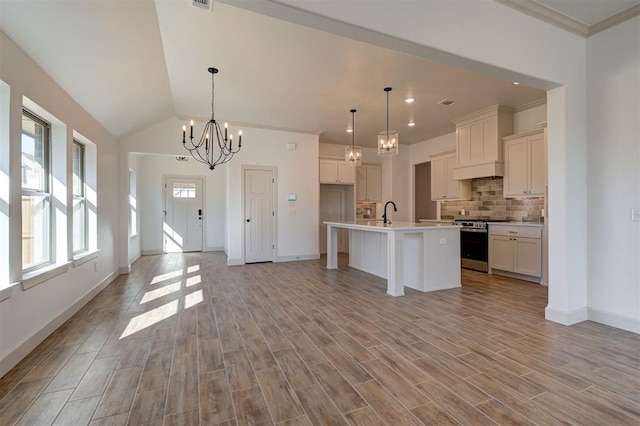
<point>186,340</point>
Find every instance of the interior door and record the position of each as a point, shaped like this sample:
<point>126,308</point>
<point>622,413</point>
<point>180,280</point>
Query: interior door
<point>331,210</point>
<point>259,215</point>
<point>182,228</point>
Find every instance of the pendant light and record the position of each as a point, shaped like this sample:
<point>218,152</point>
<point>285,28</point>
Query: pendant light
<point>213,148</point>
<point>388,140</point>
<point>353,154</point>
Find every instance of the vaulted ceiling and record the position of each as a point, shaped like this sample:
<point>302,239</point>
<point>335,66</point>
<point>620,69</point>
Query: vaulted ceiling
<point>134,63</point>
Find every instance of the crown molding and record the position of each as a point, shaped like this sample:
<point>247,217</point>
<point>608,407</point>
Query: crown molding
<point>614,20</point>
<point>548,15</point>
<point>562,21</point>
<point>529,105</point>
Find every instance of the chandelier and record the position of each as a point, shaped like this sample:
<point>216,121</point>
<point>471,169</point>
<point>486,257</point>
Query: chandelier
<point>206,150</point>
<point>353,154</point>
<point>388,140</point>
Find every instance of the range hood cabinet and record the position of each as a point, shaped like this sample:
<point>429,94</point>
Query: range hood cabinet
<point>479,145</point>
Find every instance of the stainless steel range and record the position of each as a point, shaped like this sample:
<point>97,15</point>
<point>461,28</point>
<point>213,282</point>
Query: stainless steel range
<point>474,245</point>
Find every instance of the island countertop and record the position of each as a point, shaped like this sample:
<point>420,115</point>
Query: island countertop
<point>379,226</point>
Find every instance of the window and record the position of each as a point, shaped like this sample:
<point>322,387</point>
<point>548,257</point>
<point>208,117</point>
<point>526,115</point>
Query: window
<point>184,190</point>
<point>36,192</point>
<point>79,198</point>
<point>133,213</point>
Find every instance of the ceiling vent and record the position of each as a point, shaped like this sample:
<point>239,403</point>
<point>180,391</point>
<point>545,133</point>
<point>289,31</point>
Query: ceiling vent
<point>446,102</point>
<point>203,4</point>
<point>182,158</point>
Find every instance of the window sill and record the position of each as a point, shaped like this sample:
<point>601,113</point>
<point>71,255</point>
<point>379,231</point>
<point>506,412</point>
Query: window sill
<point>84,257</point>
<point>34,278</point>
<point>5,292</point>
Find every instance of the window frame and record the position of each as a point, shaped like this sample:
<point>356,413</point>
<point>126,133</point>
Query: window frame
<point>45,193</point>
<point>82,197</point>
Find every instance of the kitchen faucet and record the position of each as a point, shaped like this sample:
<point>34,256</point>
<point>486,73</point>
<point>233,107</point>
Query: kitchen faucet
<point>384,216</point>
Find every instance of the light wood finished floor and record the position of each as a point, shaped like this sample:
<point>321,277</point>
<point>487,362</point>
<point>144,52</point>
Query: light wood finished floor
<point>186,340</point>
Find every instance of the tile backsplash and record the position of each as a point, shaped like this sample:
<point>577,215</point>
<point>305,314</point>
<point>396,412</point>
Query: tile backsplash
<point>488,203</point>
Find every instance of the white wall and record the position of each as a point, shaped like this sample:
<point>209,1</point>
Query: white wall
<point>297,173</point>
<point>152,170</point>
<point>369,155</point>
<point>529,119</point>
<point>27,317</point>
<point>613,77</point>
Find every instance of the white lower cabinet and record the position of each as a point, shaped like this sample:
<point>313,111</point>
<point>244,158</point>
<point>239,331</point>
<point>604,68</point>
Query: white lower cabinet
<point>516,249</point>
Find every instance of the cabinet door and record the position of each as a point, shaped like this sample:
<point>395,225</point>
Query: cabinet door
<point>528,256</point>
<point>501,253</point>
<point>328,171</point>
<point>346,173</point>
<point>374,183</point>
<point>463,145</point>
<point>361,183</point>
<point>515,176</point>
<point>452,187</point>
<point>438,175</point>
<point>537,165</point>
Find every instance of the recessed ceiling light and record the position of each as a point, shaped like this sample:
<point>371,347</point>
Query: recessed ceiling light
<point>411,124</point>
<point>516,83</point>
<point>410,100</point>
<point>349,130</point>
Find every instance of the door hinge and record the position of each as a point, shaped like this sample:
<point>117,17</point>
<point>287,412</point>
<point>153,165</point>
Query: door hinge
<point>165,212</point>
<point>273,246</point>
<point>273,214</point>
<point>273,180</point>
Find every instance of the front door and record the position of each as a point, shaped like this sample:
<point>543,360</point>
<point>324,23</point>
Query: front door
<point>259,215</point>
<point>182,228</point>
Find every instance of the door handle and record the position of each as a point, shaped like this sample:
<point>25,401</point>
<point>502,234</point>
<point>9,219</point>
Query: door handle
<point>248,220</point>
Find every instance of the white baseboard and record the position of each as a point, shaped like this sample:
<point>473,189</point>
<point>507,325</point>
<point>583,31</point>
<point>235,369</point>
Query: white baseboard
<point>15,355</point>
<point>151,252</point>
<point>217,248</point>
<point>235,261</point>
<point>314,256</point>
<point>566,317</point>
<point>615,320</point>
<point>125,269</point>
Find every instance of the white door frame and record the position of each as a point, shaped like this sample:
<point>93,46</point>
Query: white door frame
<point>164,203</point>
<point>274,171</point>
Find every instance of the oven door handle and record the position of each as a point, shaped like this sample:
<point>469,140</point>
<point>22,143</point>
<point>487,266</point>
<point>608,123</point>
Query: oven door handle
<point>480,230</point>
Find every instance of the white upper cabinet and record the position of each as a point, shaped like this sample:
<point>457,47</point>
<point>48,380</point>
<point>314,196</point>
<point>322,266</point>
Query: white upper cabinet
<point>443,187</point>
<point>525,165</point>
<point>333,171</point>
<point>369,183</point>
<point>479,150</point>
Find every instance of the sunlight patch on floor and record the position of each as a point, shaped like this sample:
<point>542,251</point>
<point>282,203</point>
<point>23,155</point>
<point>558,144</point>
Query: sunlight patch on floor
<point>160,292</point>
<point>193,299</point>
<point>150,318</point>
<point>194,280</point>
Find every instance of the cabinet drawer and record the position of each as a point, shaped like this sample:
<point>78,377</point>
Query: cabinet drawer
<point>515,231</point>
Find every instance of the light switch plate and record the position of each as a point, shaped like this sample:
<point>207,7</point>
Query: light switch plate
<point>635,215</point>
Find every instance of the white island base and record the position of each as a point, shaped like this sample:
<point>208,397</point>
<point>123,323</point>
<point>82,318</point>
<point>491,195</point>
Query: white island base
<point>423,256</point>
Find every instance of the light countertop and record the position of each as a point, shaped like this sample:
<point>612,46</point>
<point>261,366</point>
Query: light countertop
<point>379,226</point>
<point>531,224</point>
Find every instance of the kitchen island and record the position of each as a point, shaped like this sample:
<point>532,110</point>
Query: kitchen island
<point>423,256</point>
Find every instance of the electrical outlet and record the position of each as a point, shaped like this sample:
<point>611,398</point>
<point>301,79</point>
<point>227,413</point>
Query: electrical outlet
<point>443,241</point>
